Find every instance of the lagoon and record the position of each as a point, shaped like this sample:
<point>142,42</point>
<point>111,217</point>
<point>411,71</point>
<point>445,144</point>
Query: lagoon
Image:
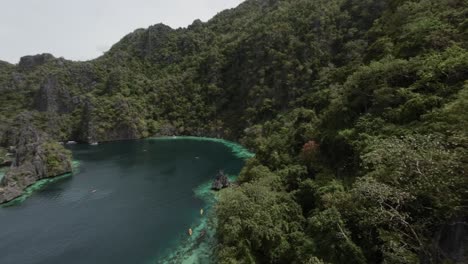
<point>129,202</point>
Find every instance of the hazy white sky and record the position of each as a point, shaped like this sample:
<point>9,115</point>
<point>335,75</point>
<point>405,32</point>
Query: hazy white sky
<point>84,29</point>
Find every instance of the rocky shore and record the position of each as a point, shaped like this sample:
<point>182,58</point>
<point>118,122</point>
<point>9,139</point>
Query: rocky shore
<point>36,157</point>
<point>221,181</point>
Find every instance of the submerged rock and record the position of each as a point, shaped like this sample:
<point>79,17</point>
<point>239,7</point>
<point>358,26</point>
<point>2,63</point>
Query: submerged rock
<point>221,181</point>
<point>36,157</point>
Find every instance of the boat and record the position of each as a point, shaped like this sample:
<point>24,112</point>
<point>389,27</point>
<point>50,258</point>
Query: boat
<point>71,142</point>
<point>94,143</point>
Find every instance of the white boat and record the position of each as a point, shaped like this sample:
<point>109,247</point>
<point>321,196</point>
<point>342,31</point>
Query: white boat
<point>71,142</point>
<point>94,143</point>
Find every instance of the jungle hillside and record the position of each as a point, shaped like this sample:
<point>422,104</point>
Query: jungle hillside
<point>357,111</point>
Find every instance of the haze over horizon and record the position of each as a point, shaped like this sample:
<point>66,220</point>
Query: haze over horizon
<point>76,31</point>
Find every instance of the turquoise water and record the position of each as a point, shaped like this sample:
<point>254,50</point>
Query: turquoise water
<point>130,202</point>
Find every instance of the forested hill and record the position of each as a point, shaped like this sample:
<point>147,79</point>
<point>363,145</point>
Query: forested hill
<point>356,110</point>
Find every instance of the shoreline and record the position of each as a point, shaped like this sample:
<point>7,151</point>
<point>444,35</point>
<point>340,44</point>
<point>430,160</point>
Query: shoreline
<point>200,247</point>
<point>238,150</point>
<point>38,185</point>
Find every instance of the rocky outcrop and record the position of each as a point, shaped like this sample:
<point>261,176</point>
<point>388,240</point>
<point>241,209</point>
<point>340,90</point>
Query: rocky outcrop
<point>36,157</point>
<point>167,130</point>
<point>147,44</point>
<point>154,39</point>
<point>84,75</point>
<point>30,62</point>
<point>87,123</point>
<point>221,181</point>
<point>53,97</point>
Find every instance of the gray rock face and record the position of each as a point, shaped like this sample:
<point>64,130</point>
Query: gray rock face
<point>156,38</point>
<point>123,126</point>
<point>88,127</point>
<point>84,75</point>
<point>30,62</point>
<point>36,157</point>
<point>122,132</point>
<point>16,180</point>
<point>451,241</point>
<point>52,97</point>
<point>221,181</point>
<point>167,130</point>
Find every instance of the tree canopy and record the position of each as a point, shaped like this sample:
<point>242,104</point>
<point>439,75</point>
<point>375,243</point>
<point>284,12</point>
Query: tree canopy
<point>356,110</point>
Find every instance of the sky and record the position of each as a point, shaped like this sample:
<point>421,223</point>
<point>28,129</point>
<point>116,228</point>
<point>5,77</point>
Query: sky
<point>84,29</point>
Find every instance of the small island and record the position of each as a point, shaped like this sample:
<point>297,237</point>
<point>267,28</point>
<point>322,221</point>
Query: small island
<point>221,181</point>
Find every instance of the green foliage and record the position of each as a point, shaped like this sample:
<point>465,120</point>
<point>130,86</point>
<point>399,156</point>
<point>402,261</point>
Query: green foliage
<point>256,221</point>
<point>57,158</point>
<point>422,165</point>
<point>380,88</point>
<point>333,241</point>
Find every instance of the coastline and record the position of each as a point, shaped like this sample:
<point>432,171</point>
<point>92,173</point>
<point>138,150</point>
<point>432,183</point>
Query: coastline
<point>200,246</point>
<point>38,185</point>
<point>187,249</point>
<point>238,150</point>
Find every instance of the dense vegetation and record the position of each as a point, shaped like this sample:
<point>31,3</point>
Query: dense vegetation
<point>356,110</point>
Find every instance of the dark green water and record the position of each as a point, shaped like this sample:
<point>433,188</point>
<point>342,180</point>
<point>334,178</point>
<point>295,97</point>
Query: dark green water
<point>130,202</point>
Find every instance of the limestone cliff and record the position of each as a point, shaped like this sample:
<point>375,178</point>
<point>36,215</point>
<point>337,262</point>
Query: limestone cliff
<point>36,157</point>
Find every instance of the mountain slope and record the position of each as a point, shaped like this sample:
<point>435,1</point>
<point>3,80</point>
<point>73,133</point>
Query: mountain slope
<point>356,110</point>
